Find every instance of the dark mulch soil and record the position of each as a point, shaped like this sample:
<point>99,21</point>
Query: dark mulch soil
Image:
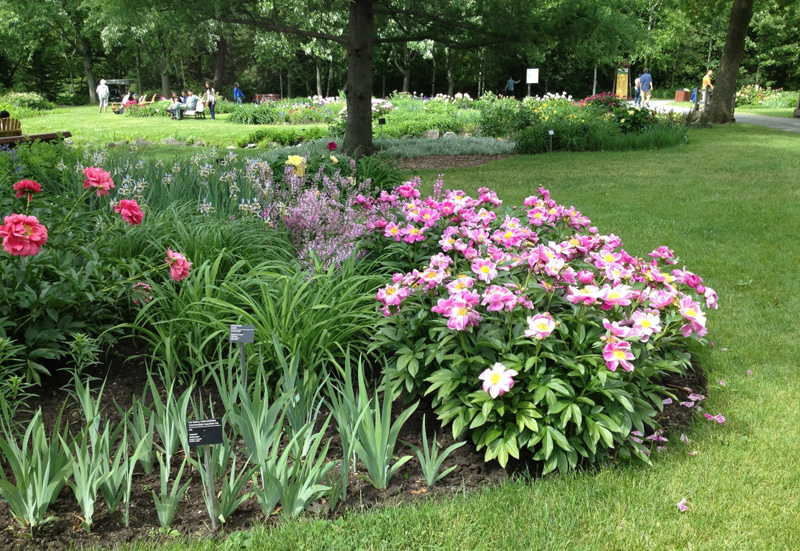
<point>441,162</point>
<point>127,379</point>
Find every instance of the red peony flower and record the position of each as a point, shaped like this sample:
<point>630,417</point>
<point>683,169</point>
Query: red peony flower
<point>27,187</point>
<point>22,235</point>
<point>331,146</point>
<point>98,178</point>
<point>130,211</point>
<point>178,265</point>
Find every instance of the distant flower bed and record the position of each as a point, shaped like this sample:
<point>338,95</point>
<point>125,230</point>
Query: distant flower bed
<point>755,96</point>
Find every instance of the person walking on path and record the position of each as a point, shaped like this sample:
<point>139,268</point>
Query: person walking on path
<point>637,92</point>
<point>211,98</point>
<point>647,86</point>
<point>238,95</point>
<point>102,95</point>
<point>707,84</point>
<point>510,86</point>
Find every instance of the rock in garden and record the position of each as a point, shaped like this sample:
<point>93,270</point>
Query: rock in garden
<point>171,141</point>
<point>142,141</point>
<point>449,135</point>
<point>432,134</point>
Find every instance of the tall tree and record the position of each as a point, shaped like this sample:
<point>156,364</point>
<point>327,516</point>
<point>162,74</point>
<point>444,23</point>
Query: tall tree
<point>721,110</point>
<point>471,22</point>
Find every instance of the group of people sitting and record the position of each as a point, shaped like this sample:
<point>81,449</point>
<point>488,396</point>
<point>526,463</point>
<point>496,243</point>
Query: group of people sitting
<point>187,101</point>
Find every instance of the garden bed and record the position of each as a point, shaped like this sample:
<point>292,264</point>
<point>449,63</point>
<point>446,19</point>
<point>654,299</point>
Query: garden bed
<point>128,378</point>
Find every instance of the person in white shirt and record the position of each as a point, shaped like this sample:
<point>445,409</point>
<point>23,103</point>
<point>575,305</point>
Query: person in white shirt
<point>102,95</point>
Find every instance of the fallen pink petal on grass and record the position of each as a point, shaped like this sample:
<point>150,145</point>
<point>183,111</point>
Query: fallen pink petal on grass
<point>692,453</point>
<point>682,507</point>
<point>685,439</point>
<point>721,383</point>
<point>718,418</point>
<point>749,372</point>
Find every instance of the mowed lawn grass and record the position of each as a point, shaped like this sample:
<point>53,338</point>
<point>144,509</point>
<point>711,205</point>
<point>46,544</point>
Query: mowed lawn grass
<point>90,127</point>
<point>727,204</point>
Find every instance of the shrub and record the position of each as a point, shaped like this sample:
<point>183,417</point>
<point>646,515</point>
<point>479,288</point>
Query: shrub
<point>58,279</point>
<point>250,113</point>
<point>282,135</point>
<point>542,335</point>
<point>502,117</point>
<point>26,100</point>
<point>605,101</point>
<point>765,97</point>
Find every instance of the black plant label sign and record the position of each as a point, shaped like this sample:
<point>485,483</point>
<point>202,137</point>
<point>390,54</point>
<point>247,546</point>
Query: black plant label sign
<point>205,432</point>
<point>243,333</point>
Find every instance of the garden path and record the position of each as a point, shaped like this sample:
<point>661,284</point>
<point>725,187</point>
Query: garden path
<point>778,123</point>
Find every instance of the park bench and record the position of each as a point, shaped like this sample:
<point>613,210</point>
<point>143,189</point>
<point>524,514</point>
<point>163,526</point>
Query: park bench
<point>199,111</point>
<point>12,141</point>
<point>267,97</point>
<point>10,127</point>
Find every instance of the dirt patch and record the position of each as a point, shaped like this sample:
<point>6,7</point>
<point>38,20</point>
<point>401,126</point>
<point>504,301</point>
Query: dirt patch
<point>442,162</point>
<point>126,381</point>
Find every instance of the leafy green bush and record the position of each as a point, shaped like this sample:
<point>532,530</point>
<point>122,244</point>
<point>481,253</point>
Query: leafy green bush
<point>251,113</point>
<point>282,135</point>
<point>158,109</point>
<point>502,117</point>
<point>541,335</point>
<point>26,100</point>
<point>766,97</point>
<point>605,101</point>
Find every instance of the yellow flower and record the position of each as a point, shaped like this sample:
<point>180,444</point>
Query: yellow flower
<point>298,163</point>
<point>334,160</point>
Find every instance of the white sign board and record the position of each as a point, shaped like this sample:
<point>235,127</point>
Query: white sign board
<point>532,76</point>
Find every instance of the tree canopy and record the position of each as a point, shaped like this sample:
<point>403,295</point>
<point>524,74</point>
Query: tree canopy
<point>371,47</point>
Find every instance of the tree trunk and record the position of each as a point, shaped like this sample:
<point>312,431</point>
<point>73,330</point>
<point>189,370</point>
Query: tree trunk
<point>452,62</point>
<point>319,76</point>
<point>139,70</point>
<point>288,83</point>
<point>433,74</point>
<point>721,110</point>
<point>405,68</point>
<point>219,63</point>
<point>165,83</point>
<point>594,82</point>
<point>330,78</point>
<point>86,54</point>
<point>360,46</point>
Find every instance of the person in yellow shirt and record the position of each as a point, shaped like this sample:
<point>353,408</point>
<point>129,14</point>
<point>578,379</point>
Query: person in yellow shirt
<point>707,84</point>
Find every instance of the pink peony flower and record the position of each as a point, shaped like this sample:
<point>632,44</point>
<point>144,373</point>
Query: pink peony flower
<point>331,146</point>
<point>22,235</point>
<point>498,380</point>
<point>618,353</point>
<point>98,178</point>
<point>130,211</point>
<point>485,268</point>
<point>540,326</point>
<point>178,265</point>
<point>27,187</point>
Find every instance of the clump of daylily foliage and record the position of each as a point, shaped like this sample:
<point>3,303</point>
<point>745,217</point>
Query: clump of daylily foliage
<point>530,329</point>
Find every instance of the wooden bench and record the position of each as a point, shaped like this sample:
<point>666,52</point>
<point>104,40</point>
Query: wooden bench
<point>12,141</point>
<point>267,97</point>
<point>10,127</point>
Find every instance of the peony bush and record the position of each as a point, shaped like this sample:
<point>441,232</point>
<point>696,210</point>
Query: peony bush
<point>528,328</point>
<point>59,278</point>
